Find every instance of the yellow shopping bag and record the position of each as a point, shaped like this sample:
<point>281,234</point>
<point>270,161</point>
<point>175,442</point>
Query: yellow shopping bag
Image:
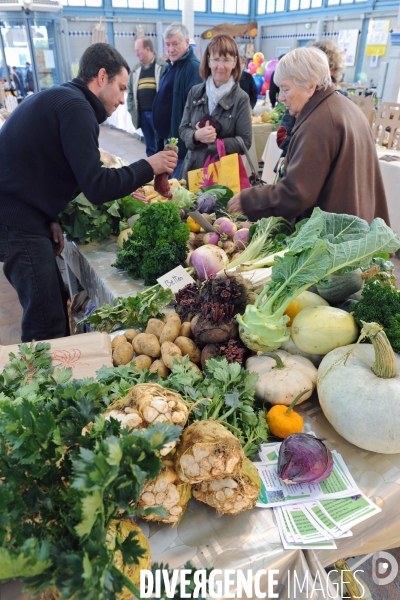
<point>226,171</point>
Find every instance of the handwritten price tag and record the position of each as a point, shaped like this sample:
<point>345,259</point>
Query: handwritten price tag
<point>175,280</point>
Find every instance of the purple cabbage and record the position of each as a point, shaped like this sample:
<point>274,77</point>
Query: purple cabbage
<point>205,203</point>
<point>304,458</point>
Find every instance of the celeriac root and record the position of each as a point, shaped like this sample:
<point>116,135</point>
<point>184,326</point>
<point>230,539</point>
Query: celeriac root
<point>167,491</point>
<point>147,404</point>
<point>232,494</point>
<point>207,451</point>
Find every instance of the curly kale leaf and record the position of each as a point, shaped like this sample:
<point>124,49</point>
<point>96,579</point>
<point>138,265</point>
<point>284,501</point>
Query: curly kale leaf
<point>380,304</point>
<point>157,244</point>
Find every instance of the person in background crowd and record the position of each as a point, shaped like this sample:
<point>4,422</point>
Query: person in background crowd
<point>17,82</point>
<point>248,84</point>
<point>336,68</point>
<point>142,88</point>
<point>180,74</point>
<point>324,165</point>
<point>53,140</point>
<point>29,82</point>
<point>273,88</point>
<point>221,98</point>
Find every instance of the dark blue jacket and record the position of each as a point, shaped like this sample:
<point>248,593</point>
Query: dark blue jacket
<point>187,75</point>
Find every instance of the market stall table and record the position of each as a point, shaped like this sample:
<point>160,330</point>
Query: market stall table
<point>253,534</point>
<point>390,174</point>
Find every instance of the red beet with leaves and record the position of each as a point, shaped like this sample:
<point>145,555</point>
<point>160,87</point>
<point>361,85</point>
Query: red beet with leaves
<point>161,184</point>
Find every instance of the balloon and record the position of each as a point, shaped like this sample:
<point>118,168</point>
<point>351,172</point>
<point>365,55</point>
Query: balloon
<point>252,67</point>
<point>270,68</point>
<point>263,65</point>
<point>362,77</point>
<point>259,71</point>
<point>258,79</point>
<point>258,58</point>
<point>265,88</point>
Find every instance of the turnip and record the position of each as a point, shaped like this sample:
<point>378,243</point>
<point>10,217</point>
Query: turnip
<point>225,225</point>
<point>229,247</point>
<point>211,238</point>
<point>241,238</point>
<point>208,260</point>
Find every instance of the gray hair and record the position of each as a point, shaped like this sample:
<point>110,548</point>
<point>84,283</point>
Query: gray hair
<point>176,29</point>
<point>147,43</point>
<point>304,66</point>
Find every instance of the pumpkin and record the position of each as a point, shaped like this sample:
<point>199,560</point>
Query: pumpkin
<point>302,301</point>
<point>339,286</point>
<point>359,392</point>
<point>283,421</point>
<point>291,347</point>
<point>282,376</point>
<point>320,329</point>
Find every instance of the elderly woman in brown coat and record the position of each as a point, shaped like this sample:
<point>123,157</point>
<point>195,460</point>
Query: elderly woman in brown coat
<point>331,160</point>
<point>221,98</point>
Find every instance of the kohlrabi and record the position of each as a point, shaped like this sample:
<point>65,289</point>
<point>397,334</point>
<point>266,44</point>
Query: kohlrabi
<point>323,244</point>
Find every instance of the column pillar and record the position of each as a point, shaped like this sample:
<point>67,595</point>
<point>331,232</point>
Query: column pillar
<point>188,18</point>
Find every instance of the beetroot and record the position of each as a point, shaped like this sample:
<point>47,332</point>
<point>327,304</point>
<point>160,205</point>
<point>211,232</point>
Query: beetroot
<point>161,184</point>
<point>206,332</point>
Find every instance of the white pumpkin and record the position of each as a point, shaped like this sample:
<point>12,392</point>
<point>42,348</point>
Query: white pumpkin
<point>320,329</point>
<point>291,347</point>
<point>362,406</point>
<point>281,380</point>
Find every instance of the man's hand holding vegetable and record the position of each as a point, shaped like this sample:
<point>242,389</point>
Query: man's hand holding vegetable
<point>163,162</point>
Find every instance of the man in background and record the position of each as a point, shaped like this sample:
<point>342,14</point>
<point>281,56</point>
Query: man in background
<point>142,88</point>
<point>248,84</point>
<point>29,83</point>
<point>179,75</point>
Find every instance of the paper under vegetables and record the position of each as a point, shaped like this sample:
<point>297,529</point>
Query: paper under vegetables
<point>323,244</point>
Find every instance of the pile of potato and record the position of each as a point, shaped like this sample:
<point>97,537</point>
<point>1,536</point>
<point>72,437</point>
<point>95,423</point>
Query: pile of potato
<point>156,348</point>
<point>152,196</point>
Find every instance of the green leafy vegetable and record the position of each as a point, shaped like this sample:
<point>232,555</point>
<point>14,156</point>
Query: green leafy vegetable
<point>225,394</point>
<point>276,115</point>
<point>85,222</point>
<point>267,237</point>
<point>133,311</point>
<point>380,304</point>
<point>158,243</point>
<point>183,198</point>
<point>60,490</point>
<point>323,244</point>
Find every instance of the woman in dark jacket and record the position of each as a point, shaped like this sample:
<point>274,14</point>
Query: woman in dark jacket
<point>221,98</point>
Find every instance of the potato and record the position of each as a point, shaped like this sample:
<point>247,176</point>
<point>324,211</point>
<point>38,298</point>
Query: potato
<point>119,339</point>
<point>188,347</point>
<point>122,354</point>
<point>186,330</point>
<point>171,329</point>
<point>197,368</point>
<point>147,343</point>
<point>168,352</point>
<point>155,326</point>
<point>130,334</point>
<point>159,368</point>
<point>142,361</point>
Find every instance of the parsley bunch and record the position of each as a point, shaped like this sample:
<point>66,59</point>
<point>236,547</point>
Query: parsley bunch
<point>60,489</point>
<point>157,243</point>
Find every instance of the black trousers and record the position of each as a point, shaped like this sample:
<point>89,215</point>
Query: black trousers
<point>30,266</point>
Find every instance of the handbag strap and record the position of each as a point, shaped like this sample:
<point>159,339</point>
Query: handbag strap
<point>247,155</point>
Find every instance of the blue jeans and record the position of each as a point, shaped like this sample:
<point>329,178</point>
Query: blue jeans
<point>149,133</point>
<point>30,266</point>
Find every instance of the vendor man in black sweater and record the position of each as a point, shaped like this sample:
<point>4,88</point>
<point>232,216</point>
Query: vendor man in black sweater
<point>48,154</point>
